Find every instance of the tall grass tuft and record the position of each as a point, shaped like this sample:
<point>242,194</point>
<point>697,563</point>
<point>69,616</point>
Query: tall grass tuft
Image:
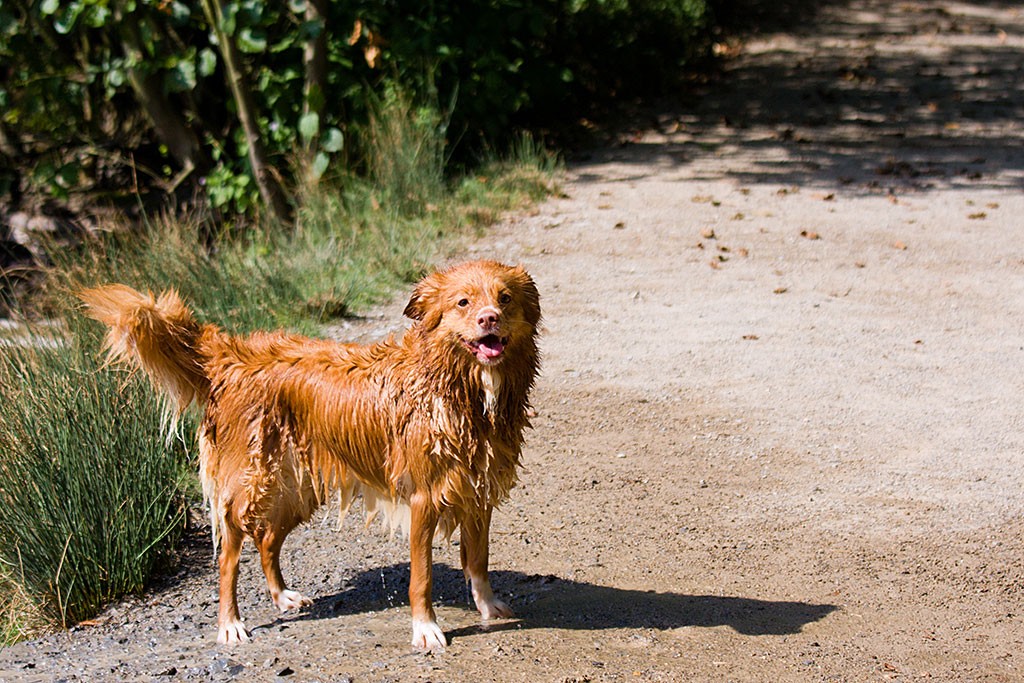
<point>89,490</point>
<point>229,281</point>
<point>404,146</point>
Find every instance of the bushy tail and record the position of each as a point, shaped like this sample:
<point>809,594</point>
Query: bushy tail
<point>157,334</point>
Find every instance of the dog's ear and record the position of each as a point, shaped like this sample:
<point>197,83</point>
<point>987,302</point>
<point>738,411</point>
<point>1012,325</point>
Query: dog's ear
<point>423,305</point>
<point>530,297</point>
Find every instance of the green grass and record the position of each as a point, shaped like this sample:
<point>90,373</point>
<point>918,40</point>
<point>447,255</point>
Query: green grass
<point>89,486</point>
<point>91,492</point>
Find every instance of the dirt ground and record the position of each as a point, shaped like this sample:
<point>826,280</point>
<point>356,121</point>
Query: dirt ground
<point>779,431</point>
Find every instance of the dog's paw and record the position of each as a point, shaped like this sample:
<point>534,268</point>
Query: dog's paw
<point>494,609</point>
<point>427,635</point>
<point>488,605</point>
<point>286,600</point>
<point>232,632</point>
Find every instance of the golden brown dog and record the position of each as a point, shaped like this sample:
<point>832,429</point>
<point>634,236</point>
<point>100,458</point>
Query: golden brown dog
<point>428,428</point>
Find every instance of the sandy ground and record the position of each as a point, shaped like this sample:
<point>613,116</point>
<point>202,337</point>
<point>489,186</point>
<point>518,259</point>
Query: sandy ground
<point>779,432</point>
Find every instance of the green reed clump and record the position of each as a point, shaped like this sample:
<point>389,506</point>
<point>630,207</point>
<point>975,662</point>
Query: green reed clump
<point>89,484</point>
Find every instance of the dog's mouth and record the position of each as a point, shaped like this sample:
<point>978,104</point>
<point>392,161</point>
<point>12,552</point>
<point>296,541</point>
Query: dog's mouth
<point>487,348</point>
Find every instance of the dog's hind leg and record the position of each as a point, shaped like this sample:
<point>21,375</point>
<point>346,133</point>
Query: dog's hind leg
<point>474,547</point>
<point>230,628</point>
<point>269,545</point>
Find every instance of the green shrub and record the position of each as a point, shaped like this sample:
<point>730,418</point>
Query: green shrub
<point>124,103</point>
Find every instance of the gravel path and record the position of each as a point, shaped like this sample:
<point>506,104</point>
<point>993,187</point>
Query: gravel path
<point>779,433</point>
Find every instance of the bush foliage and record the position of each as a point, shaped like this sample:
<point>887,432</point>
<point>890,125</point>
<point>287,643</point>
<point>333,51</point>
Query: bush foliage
<point>125,97</point>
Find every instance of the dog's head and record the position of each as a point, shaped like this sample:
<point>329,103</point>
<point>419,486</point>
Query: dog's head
<point>486,308</point>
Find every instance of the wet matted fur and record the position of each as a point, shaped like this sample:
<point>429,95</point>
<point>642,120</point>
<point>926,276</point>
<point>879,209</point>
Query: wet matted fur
<point>428,428</point>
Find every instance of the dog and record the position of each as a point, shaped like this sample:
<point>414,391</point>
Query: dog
<point>428,428</point>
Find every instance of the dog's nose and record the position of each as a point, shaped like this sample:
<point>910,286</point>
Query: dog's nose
<point>487,318</point>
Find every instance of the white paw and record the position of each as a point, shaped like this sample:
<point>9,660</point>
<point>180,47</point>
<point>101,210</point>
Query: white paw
<point>232,632</point>
<point>427,635</point>
<point>490,607</point>
<point>494,609</point>
<point>286,600</point>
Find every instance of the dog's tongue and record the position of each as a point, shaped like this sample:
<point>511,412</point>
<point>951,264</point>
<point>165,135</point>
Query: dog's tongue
<point>491,347</point>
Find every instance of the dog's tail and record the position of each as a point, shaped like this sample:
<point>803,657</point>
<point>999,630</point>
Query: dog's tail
<point>158,335</point>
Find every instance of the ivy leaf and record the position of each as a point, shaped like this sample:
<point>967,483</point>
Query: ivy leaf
<point>207,62</point>
<point>65,21</point>
<point>309,124</point>
<point>180,12</point>
<point>182,77</point>
<point>48,7</point>
<point>115,78</point>
<point>320,164</point>
<point>285,43</point>
<point>98,16</point>
<point>229,21</point>
<point>333,141</point>
<point>252,40</point>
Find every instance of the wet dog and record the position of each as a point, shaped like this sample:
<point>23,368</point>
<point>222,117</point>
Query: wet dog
<point>428,428</point>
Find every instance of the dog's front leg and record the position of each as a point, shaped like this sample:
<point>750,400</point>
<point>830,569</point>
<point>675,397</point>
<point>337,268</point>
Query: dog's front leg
<point>426,634</point>
<point>474,545</point>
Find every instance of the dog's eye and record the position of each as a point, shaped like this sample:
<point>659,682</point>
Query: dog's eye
<point>504,298</point>
<point>463,303</point>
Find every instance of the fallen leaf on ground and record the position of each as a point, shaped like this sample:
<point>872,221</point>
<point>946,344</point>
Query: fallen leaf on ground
<point>809,234</point>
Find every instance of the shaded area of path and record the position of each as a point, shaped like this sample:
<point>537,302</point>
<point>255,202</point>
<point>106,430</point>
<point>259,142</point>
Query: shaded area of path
<point>891,95</point>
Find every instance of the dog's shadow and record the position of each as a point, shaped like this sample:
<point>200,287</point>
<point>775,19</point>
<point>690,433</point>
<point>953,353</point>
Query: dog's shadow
<point>553,602</point>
